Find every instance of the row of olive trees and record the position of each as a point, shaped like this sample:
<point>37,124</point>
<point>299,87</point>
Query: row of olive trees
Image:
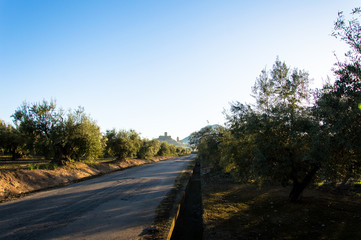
<point>124,144</point>
<point>42,129</point>
<point>287,138</point>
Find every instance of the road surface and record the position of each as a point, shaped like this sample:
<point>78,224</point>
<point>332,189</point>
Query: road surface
<point>119,205</point>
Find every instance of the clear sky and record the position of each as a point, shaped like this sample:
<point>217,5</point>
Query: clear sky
<point>157,66</point>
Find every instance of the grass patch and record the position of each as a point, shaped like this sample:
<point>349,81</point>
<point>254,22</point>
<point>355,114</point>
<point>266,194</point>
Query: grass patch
<point>91,163</point>
<point>356,184</point>
<point>247,211</point>
<point>47,166</point>
<point>23,164</point>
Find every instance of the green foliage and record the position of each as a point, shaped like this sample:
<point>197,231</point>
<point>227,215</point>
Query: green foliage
<point>167,149</point>
<point>12,141</point>
<point>238,143</point>
<point>281,89</point>
<point>92,163</point>
<point>337,105</point>
<point>42,129</point>
<point>282,138</point>
<point>273,140</point>
<point>123,143</point>
<point>36,122</point>
<point>83,136</point>
<point>54,134</point>
<point>207,141</point>
<point>280,131</point>
<point>149,148</point>
<point>183,151</point>
<point>47,166</point>
<point>164,149</point>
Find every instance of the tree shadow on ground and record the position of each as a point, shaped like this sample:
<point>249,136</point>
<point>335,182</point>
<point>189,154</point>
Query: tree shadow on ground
<point>245,211</point>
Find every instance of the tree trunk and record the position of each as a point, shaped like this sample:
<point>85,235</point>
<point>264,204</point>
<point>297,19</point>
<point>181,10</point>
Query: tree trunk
<point>14,155</point>
<point>298,187</point>
<point>58,157</point>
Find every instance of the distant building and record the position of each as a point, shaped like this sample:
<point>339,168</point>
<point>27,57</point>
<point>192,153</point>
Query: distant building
<point>165,138</point>
<point>169,140</point>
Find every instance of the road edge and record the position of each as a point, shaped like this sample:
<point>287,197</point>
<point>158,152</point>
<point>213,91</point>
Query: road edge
<point>168,210</point>
<point>12,197</point>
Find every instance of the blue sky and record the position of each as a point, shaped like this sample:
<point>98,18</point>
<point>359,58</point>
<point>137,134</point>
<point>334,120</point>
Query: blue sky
<point>157,66</point>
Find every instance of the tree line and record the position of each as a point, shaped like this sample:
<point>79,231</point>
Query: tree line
<point>41,129</point>
<point>292,134</point>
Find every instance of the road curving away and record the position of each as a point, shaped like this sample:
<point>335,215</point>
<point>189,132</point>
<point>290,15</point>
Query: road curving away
<point>115,206</point>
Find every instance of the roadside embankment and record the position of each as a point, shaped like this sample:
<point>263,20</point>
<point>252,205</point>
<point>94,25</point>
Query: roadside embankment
<point>17,183</point>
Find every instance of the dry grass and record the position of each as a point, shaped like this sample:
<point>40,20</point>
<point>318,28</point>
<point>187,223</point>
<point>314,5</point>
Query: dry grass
<point>245,211</point>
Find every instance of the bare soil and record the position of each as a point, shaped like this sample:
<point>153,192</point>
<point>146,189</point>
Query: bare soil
<point>249,211</point>
<point>14,184</point>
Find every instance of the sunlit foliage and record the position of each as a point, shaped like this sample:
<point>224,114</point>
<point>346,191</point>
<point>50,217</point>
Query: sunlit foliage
<point>11,141</point>
<point>122,144</point>
<point>53,133</point>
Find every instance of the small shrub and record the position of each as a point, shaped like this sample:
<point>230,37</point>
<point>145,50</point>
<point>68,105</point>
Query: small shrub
<point>50,166</point>
<point>32,166</point>
<point>47,166</point>
<point>91,163</point>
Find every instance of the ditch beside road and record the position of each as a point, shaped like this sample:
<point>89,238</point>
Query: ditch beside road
<point>189,224</point>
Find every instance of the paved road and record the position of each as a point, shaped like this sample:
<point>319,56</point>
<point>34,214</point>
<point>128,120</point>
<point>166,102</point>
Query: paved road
<point>115,206</point>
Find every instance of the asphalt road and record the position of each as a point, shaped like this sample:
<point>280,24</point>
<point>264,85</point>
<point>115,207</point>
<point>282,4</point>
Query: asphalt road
<point>119,205</point>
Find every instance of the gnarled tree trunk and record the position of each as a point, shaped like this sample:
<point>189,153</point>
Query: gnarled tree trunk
<point>299,186</point>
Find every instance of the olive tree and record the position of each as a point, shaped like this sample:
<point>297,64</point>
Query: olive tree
<point>207,141</point>
<point>58,135</point>
<point>338,105</point>
<point>37,121</point>
<point>149,148</point>
<point>277,139</point>
<point>79,136</point>
<point>122,144</point>
<point>12,141</point>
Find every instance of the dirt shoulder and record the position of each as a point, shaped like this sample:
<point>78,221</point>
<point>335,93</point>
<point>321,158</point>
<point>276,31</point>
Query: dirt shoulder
<point>247,211</point>
<point>14,184</point>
